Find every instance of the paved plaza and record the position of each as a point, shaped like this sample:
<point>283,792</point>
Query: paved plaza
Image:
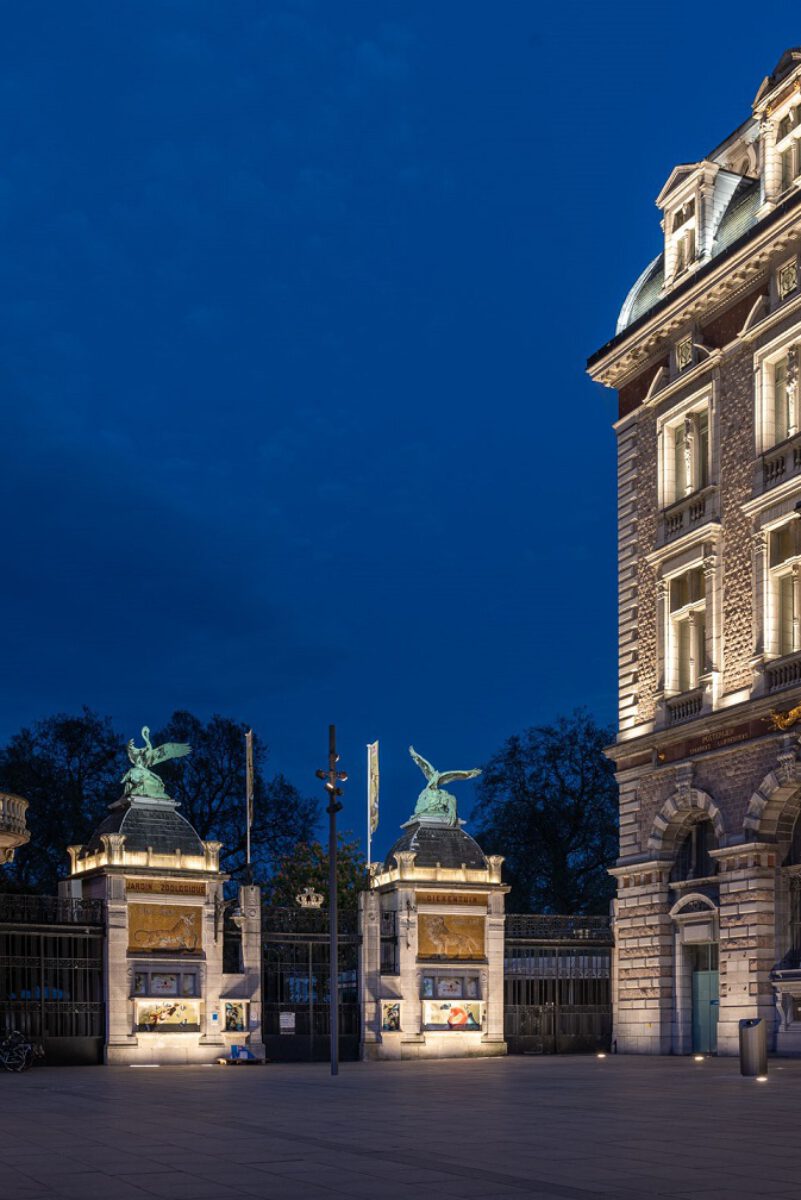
<point>554,1128</point>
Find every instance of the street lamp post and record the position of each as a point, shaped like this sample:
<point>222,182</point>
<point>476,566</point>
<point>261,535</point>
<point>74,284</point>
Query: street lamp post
<point>332,778</point>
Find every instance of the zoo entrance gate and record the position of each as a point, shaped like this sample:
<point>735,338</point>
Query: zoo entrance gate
<point>557,987</point>
<point>557,980</point>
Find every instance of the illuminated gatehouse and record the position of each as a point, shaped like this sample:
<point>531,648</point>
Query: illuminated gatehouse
<point>433,947</point>
<point>706,362</point>
<point>169,997</point>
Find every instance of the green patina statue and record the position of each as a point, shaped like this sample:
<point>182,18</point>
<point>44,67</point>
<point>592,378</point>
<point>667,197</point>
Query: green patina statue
<point>434,801</point>
<point>140,780</point>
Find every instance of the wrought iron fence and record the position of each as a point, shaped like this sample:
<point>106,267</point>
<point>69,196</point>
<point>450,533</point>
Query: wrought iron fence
<point>297,983</point>
<point>50,910</point>
<point>555,928</point>
<point>557,984</point>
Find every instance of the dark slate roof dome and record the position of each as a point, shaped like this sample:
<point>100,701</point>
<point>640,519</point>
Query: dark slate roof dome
<point>157,826</point>
<point>446,845</point>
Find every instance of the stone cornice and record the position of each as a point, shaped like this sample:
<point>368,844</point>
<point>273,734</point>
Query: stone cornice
<point>657,739</point>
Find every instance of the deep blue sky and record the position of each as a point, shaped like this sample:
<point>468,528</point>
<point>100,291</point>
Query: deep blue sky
<point>296,299</point>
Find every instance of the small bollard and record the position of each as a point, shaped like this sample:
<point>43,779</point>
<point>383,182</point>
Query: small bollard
<point>753,1047</point>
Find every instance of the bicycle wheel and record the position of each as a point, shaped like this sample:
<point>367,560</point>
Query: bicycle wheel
<point>16,1058</point>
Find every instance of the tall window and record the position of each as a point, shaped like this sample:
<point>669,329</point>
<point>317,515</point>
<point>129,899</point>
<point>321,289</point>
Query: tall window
<point>785,555</point>
<point>781,398</point>
<point>693,860</point>
<point>687,629</point>
<point>688,470</point>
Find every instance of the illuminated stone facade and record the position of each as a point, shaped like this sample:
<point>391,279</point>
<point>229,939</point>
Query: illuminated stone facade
<point>432,948</point>
<point>168,996</point>
<point>705,363</point>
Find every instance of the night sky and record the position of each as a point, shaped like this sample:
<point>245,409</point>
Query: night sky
<point>296,302</point>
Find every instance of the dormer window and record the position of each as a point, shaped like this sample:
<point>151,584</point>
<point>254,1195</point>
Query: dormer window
<point>683,215</point>
<point>788,147</point>
<point>682,235</point>
<point>685,251</point>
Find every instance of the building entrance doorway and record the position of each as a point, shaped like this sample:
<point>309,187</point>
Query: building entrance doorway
<point>705,988</point>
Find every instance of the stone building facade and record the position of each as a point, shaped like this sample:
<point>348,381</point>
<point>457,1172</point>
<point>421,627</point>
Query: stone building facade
<point>705,362</point>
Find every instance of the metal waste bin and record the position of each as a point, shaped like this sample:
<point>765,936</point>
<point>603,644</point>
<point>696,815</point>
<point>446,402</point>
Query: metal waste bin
<point>753,1047</point>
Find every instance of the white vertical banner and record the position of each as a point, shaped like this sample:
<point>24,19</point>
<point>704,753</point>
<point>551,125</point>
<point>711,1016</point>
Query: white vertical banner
<point>249,785</point>
<point>372,794</point>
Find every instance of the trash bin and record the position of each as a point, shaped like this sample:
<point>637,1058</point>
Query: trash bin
<point>753,1047</point>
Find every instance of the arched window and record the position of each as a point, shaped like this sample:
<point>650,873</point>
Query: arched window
<point>693,860</point>
<point>793,894</point>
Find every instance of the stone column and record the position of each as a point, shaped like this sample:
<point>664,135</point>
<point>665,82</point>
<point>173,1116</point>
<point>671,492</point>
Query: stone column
<point>118,975</point>
<point>370,970</point>
<point>212,971</point>
<point>747,939</point>
<point>644,953</point>
<point>250,927</point>
<point>412,1011</point>
<point>494,986</point>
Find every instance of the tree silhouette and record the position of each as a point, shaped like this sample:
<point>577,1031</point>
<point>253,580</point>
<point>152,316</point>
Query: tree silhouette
<point>548,803</point>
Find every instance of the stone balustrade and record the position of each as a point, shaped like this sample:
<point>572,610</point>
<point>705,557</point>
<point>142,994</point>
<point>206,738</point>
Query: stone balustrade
<point>783,673</point>
<point>13,829</point>
<point>783,462</point>
<point>684,708</point>
<point>687,514</point>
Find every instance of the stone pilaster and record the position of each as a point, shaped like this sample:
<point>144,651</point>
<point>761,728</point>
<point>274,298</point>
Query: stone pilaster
<point>493,983</point>
<point>747,938</point>
<point>370,969</point>
<point>250,926</point>
<point>118,974</point>
<point>643,960</point>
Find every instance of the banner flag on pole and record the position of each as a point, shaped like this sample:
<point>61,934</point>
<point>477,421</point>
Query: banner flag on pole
<point>372,786</point>
<point>249,775</point>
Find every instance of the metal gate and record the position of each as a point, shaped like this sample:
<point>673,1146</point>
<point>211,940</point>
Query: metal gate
<point>296,985</point>
<point>51,975</point>
<point>557,984</point>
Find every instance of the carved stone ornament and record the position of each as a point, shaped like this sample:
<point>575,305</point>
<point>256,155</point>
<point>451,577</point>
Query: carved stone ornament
<point>684,353</point>
<point>787,279</point>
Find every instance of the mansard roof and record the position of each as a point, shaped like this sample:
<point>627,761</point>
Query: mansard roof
<point>738,217</point>
<point>784,67</point>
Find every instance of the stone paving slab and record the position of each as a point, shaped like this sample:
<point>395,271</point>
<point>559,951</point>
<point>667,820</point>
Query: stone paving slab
<point>572,1128</point>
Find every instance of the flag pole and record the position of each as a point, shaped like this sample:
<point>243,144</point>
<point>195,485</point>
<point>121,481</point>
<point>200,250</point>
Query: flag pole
<point>248,800</point>
<point>369,815</point>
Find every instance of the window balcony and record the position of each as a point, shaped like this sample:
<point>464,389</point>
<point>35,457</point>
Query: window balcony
<point>783,673</point>
<point>13,830</point>
<point>780,463</point>
<point>687,514</point>
<point>685,707</point>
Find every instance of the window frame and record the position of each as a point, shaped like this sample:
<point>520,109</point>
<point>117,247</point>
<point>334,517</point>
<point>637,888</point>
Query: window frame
<point>685,617</point>
<point>766,363</point>
<point>669,425</point>
<point>788,567</point>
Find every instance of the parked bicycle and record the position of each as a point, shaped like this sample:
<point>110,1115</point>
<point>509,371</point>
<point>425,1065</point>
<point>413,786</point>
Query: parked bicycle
<point>15,1053</point>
